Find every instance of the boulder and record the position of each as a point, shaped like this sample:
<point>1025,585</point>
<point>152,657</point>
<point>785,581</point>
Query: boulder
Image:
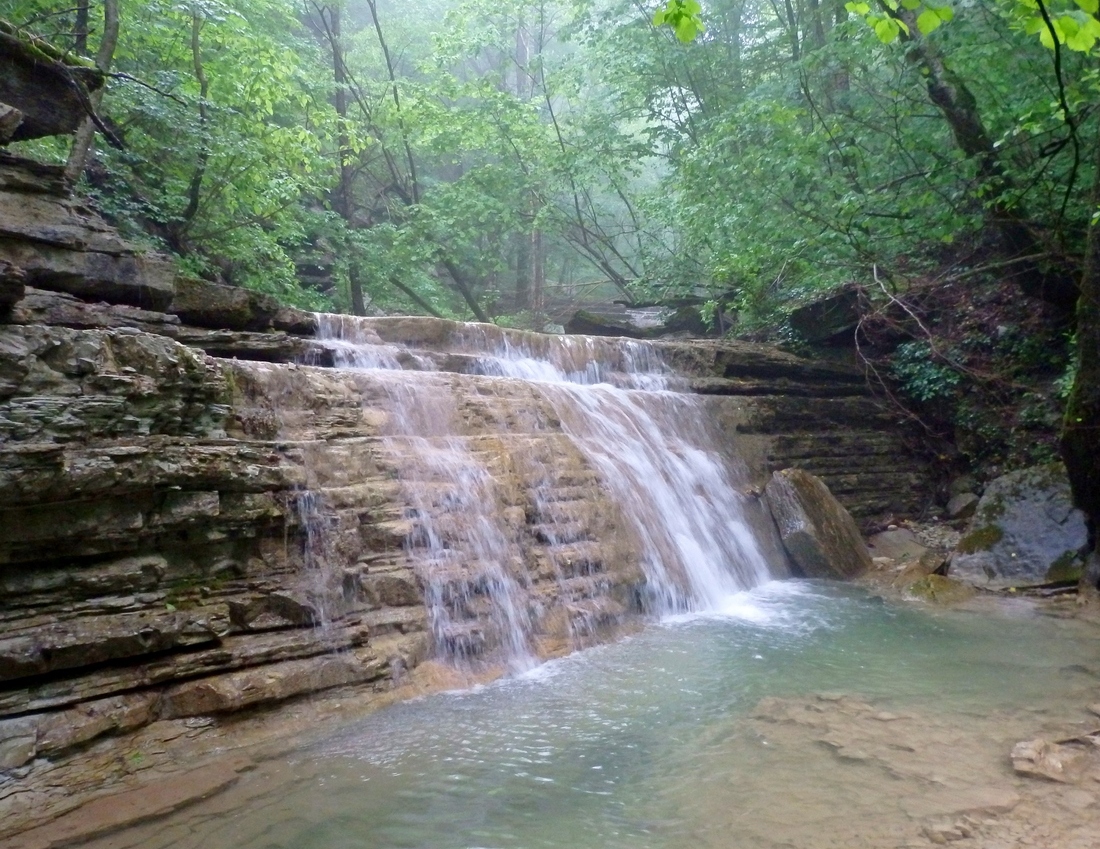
<point>589,323</point>
<point>962,506</point>
<point>201,303</point>
<point>1025,530</point>
<point>818,533</point>
<point>899,544</point>
<point>831,320</point>
<point>962,484</point>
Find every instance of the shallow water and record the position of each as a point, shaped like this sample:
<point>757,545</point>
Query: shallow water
<point>650,743</point>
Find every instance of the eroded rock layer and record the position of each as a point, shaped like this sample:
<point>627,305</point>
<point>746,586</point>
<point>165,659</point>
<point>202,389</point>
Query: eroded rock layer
<point>194,519</point>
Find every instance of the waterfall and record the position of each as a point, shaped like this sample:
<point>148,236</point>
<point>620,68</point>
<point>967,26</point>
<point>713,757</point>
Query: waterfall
<point>643,439</point>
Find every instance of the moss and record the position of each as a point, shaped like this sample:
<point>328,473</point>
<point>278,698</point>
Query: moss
<point>980,539</point>
<point>993,508</point>
<point>1067,567</point>
<point>940,590</point>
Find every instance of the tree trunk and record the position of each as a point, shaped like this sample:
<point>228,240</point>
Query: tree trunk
<point>522,242</point>
<point>85,134</point>
<point>538,273</point>
<point>80,29</point>
<point>950,94</point>
<point>1081,428</point>
<point>344,201</point>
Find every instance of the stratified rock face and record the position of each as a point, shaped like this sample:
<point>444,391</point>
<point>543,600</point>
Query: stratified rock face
<point>1025,530</point>
<point>819,534</point>
<point>194,521</point>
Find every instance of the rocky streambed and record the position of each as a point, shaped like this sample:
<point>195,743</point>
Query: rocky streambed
<point>805,714</point>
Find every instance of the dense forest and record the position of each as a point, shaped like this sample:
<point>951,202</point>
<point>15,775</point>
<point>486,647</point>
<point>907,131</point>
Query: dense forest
<point>508,162</point>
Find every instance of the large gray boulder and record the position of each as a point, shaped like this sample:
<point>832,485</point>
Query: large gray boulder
<point>820,536</point>
<point>1025,531</point>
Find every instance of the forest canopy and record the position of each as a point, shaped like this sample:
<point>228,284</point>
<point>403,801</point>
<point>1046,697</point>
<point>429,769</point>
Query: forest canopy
<point>503,161</point>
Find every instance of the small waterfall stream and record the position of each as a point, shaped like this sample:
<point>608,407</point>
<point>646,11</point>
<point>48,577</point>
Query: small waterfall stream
<point>618,406</point>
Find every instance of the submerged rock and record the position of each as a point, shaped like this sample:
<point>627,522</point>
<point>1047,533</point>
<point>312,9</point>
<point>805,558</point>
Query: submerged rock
<point>1025,530</point>
<point>818,533</point>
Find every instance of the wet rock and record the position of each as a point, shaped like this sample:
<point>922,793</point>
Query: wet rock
<point>18,741</point>
<point>153,797</point>
<point>818,533</point>
<point>1025,530</point>
<point>62,730</point>
<point>589,323</point>
<point>42,647</point>
<point>275,682</point>
<point>270,347</point>
<point>40,306</point>
<point>939,590</point>
<point>1043,759</point>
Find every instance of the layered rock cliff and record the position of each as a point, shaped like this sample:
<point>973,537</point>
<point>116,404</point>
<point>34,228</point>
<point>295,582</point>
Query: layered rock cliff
<point>198,514</point>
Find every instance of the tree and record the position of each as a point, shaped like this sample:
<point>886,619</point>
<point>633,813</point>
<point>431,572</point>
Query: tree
<point>1064,27</point>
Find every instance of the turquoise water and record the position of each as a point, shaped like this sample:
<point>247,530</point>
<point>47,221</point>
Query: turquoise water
<point>648,743</point>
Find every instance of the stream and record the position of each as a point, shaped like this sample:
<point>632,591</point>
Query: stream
<point>681,735</point>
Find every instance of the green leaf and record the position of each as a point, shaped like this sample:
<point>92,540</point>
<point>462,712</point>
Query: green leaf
<point>687,29</point>
<point>858,8</point>
<point>1089,6</point>
<point>1045,38</point>
<point>1081,41</point>
<point>886,29</point>
<point>928,21</point>
<point>1067,27</point>
<point>911,5</point>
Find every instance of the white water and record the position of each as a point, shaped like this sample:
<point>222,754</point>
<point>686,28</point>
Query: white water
<point>615,401</point>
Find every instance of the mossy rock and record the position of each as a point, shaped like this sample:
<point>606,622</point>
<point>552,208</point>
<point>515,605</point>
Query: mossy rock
<point>1068,567</point>
<point>1024,531</point>
<point>980,539</point>
<point>936,589</point>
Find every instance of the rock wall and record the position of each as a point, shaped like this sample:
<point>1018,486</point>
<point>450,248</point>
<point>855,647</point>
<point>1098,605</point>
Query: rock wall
<point>192,521</point>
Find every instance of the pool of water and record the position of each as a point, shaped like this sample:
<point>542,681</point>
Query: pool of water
<point>656,741</point>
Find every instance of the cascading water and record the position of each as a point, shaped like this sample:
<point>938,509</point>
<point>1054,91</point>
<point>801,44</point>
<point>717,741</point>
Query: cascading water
<point>615,401</point>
